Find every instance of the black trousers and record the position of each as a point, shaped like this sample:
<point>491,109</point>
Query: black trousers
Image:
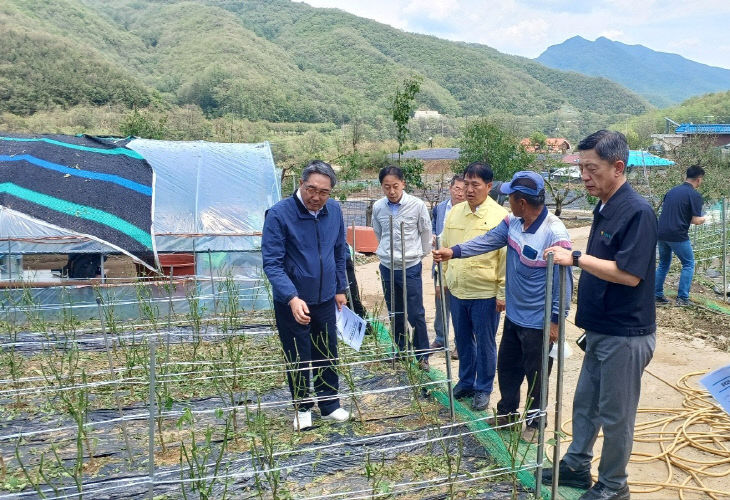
<point>356,305</point>
<point>416,311</point>
<point>312,345</point>
<point>520,358</point>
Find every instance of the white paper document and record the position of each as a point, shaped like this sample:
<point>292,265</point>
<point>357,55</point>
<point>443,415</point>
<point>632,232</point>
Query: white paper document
<point>350,327</point>
<point>718,383</point>
<point>567,351</point>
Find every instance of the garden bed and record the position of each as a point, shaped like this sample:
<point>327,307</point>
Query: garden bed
<point>76,409</point>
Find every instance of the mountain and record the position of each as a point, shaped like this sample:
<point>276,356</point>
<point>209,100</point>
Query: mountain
<point>267,59</point>
<point>42,68</point>
<point>663,79</point>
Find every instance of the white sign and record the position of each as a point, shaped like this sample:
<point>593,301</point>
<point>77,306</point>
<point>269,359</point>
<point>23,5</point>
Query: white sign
<point>718,383</point>
<point>350,328</point>
<point>567,351</point>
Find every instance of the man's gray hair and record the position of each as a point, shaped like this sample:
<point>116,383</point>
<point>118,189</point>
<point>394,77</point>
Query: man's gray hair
<point>609,146</point>
<point>319,167</point>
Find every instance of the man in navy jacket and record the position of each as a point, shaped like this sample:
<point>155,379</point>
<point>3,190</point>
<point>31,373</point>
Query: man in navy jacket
<point>303,250</point>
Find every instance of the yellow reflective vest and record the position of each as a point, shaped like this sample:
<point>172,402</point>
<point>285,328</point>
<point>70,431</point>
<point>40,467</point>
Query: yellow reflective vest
<point>481,276</point>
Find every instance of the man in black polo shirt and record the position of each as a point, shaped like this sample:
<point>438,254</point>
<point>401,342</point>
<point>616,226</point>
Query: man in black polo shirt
<point>616,309</point>
<point>681,207</point>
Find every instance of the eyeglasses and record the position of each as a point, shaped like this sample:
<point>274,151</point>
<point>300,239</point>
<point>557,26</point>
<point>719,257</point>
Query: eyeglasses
<point>311,191</point>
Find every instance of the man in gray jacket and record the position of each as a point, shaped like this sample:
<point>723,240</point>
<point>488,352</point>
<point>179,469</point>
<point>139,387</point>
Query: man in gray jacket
<point>412,212</point>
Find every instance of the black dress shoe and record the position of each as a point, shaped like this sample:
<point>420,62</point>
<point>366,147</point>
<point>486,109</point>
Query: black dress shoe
<point>568,477</point>
<point>602,492</point>
<point>460,392</point>
<point>480,401</point>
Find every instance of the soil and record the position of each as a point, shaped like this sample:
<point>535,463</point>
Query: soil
<point>689,340</point>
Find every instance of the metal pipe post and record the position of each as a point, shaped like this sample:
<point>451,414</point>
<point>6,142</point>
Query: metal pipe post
<point>544,378</point>
<point>349,291</point>
<point>212,287</point>
<point>152,342</point>
<point>354,246</point>
<point>169,317</point>
<point>409,343</point>
<point>445,326</point>
<point>169,303</point>
<point>559,386</point>
<point>10,263</point>
<point>101,267</point>
<point>392,293</point>
<point>116,384</point>
<point>724,251</point>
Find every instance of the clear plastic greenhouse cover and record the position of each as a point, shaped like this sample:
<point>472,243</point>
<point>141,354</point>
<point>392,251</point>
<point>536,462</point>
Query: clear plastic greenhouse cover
<point>208,196</point>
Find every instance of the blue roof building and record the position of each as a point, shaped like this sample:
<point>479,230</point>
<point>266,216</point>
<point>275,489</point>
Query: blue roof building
<point>704,128</point>
<point>720,132</point>
<point>645,159</point>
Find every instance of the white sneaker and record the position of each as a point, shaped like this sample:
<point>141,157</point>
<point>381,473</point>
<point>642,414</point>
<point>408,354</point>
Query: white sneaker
<point>339,415</point>
<point>302,420</point>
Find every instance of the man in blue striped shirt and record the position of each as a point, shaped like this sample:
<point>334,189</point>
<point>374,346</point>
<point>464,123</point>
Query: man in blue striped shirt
<point>527,232</point>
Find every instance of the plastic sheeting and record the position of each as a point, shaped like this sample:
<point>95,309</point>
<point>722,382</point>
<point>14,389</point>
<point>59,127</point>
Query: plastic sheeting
<point>215,190</point>
<point>51,303</point>
<point>207,196</point>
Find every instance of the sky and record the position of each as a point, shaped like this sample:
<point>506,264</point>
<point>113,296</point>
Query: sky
<point>697,30</point>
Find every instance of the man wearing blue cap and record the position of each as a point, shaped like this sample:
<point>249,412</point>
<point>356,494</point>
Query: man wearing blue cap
<point>526,233</point>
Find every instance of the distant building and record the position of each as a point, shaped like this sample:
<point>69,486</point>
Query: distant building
<point>426,114</point>
<point>552,145</point>
<point>666,142</point>
<point>720,132</point>
<point>431,154</point>
<point>571,159</point>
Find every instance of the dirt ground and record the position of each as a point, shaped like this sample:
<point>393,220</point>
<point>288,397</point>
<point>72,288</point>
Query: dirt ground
<point>682,348</point>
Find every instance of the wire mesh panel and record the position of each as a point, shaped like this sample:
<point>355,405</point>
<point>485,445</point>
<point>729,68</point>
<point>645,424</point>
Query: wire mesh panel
<point>709,242</point>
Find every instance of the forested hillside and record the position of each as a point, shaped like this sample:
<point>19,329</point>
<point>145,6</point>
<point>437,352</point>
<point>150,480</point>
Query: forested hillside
<point>41,68</point>
<point>267,59</point>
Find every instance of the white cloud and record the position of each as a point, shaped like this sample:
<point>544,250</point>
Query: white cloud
<point>433,9</point>
<point>521,35</point>
<point>612,34</point>
<point>528,27</point>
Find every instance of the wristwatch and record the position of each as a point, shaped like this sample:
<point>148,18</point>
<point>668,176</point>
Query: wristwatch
<point>576,255</point>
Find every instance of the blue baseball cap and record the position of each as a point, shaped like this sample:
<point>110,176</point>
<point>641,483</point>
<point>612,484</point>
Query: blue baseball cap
<point>524,181</point>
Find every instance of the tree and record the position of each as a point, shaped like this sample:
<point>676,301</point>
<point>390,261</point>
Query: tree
<point>356,137</point>
<point>143,125</point>
<point>694,150</point>
<point>632,137</point>
<point>562,188</point>
<point>412,172</point>
<point>539,140</point>
<point>402,108</point>
<point>702,151</point>
<point>485,140</point>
